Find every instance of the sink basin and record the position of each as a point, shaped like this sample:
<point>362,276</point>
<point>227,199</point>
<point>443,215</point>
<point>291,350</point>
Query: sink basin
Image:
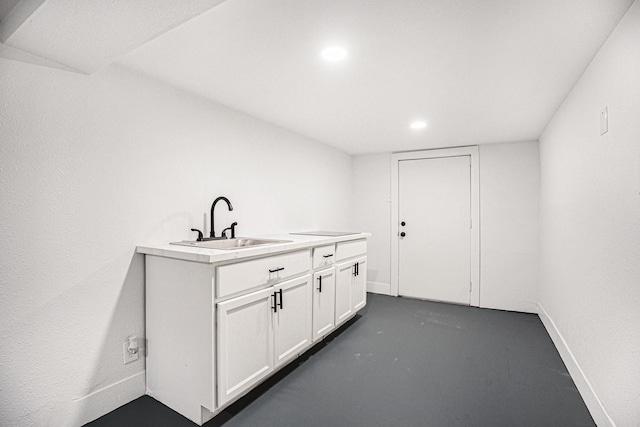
<point>227,244</point>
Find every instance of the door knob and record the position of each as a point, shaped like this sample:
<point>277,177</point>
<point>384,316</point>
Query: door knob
<point>403,234</point>
<point>403,223</point>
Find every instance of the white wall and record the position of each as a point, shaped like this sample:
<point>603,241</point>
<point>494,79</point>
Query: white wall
<point>509,182</point>
<point>372,213</point>
<point>509,198</point>
<point>91,166</point>
<point>590,229</point>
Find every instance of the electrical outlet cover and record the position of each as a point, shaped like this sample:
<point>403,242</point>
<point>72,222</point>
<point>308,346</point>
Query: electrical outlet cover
<point>128,357</point>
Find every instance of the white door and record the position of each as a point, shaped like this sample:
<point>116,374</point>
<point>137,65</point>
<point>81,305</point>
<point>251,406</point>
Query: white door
<point>434,204</point>
<point>344,305</point>
<point>292,319</point>
<point>245,343</point>
<point>324,298</point>
<point>359,286</point>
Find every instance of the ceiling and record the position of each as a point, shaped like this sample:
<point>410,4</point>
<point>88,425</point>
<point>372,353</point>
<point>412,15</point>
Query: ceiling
<point>88,35</point>
<point>476,71</point>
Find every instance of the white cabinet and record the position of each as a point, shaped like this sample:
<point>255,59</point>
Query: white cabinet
<point>219,324</point>
<point>260,331</point>
<point>245,276</point>
<point>245,343</point>
<point>292,318</point>
<point>323,256</point>
<point>351,249</point>
<point>344,307</point>
<point>359,284</point>
<point>351,288</point>
<point>324,295</point>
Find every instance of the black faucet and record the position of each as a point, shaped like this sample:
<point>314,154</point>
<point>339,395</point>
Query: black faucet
<point>213,231</point>
<point>233,231</point>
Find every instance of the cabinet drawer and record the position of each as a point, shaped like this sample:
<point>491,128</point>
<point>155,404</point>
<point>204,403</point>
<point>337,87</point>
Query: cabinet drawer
<point>351,249</point>
<point>324,256</point>
<point>243,276</point>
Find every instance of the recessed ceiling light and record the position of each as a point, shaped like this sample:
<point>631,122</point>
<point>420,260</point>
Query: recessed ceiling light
<point>418,124</point>
<point>334,53</point>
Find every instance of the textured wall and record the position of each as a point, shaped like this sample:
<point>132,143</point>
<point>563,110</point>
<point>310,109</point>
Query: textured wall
<point>91,166</point>
<point>509,197</point>
<point>590,223</point>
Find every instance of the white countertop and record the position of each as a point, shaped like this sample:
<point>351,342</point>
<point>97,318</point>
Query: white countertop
<point>210,256</point>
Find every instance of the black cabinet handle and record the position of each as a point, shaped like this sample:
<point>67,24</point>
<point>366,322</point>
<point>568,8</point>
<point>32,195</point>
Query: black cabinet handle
<point>276,270</point>
<point>403,234</point>
<point>327,256</point>
<point>274,305</point>
<point>319,283</point>
<point>280,304</point>
<point>357,268</point>
<point>403,223</point>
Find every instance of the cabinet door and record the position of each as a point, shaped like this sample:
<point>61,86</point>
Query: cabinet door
<point>344,279</point>
<point>245,343</point>
<point>324,294</point>
<point>292,320</point>
<point>359,285</point>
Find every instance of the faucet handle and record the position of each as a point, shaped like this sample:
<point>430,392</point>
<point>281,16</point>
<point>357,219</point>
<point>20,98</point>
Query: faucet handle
<point>233,231</point>
<point>200,236</point>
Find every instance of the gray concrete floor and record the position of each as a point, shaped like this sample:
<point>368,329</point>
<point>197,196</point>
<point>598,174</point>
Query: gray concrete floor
<point>406,362</point>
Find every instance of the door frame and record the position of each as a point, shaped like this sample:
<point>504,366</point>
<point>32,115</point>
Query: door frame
<point>396,158</point>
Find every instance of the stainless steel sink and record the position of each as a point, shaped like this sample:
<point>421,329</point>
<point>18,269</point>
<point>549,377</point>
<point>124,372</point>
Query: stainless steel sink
<point>228,244</point>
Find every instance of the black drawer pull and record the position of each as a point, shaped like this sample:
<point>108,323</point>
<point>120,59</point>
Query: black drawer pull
<point>276,270</point>
<point>319,283</point>
<point>274,307</point>
<point>280,304</point>
<point>327,256</point>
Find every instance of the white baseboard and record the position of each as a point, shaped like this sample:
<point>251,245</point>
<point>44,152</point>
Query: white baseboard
<point>379,288</point>
<point>594,405</point>
<point>88,408</point>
